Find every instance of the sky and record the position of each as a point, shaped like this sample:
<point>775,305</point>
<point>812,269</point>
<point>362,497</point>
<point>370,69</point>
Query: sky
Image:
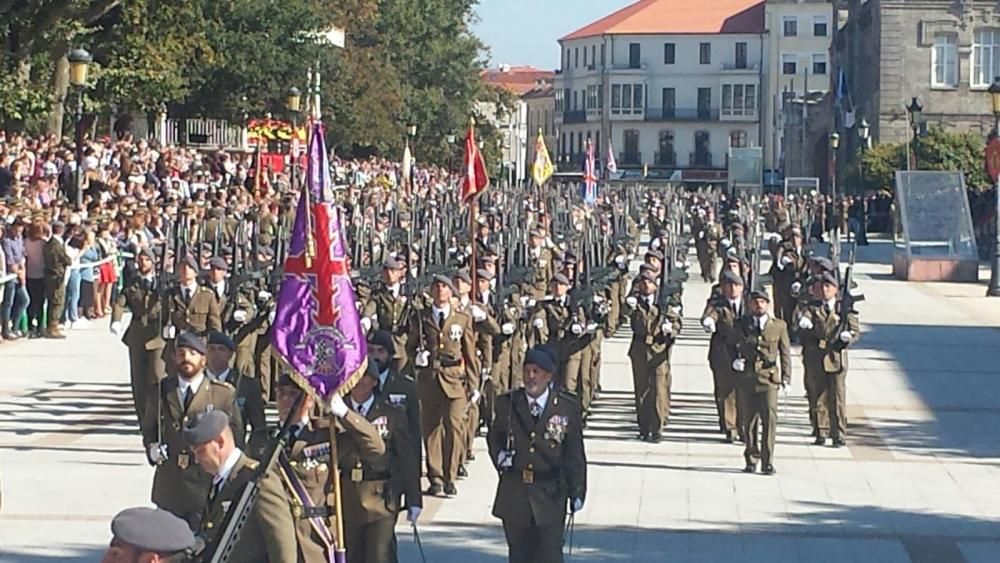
<point>524,32</point>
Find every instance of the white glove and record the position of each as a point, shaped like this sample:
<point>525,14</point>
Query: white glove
<point>701,234</point>
<point>597,298</point>
<point>709,325</point>
<point>169,332</point>
<point>423,359</point>
<point>263,295</point>
<point>655,244</point>
<point>631,301</point>
<point>576,329</point>
<point>532,302</point>
<point>478,314</point>
<point>475,396</point>
<point>731,251</point>
<point>591,328</point>
<point>116,328</point>
<point>725,242</point>
<point>739,364</point>
<point>271,315</point>
<point>505,459</point>
<point>413,513</point>
<point>805,323</point>
<point>239,315</point>
<point>157,453</point>
<point>786,260</point>
<point>667,328</point>
<point>576,505</point>
<point>507,328</point>
<point>620,260</point>
<point>366,323</point>
<point>846,336</point>
<point>524,300</point>
<point>796,287</point>
<point>337,406</point>
<point>538,323</point>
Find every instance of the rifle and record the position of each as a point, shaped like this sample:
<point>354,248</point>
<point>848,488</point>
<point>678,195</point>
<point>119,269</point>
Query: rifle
<point>239,511</point>
<point>847,299</point>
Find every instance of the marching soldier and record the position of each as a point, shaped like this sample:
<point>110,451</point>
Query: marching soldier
<point>373,489</point>
<point>707,245</point>
<point>443,346</point>
<point>305,467</point>
<point>396,389</point>
<point>764,361</point>
<point>179,485</point>
<point>787,269</point>
<point>653,334</point>
<point>145,347</point>
<point>720,320</point>
<point>150,535</point>
<point>219,365</point>
<point>536,444</point>
<point>387,309</point>
<point>827,330</point>
<point>541,263</point>
<point>508,347</point>
<point>193,308</point>
<point>560,323</point>
<point>487,336</point>
<point>269,532</point>
<point>233,313</point>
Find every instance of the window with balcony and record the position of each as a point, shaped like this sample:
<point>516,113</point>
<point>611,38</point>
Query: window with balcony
<point>789,64</point>
<point>739,100</point>
<point>790,26</point>
<point>576,100</point>
<point>669,53</point>
<point>741,54</point>
<point>702,155</point>
<point>819,26</point>
<point>985,57</point>
<point>665,154</point>
<point>705,53</point>
<point>592,97</point>
<point>634,55</point>
<point>631,155</point>
<point>944,61</point>
<point>819,63</point>
<point>738,139</point>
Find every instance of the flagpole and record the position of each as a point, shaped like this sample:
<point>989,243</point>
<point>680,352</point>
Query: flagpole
<point>473,212</point>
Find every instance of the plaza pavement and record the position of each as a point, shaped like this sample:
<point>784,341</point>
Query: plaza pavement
<point>918,483</point>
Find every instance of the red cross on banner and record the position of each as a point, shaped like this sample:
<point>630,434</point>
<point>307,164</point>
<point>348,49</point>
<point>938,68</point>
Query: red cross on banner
<point>323,270</point>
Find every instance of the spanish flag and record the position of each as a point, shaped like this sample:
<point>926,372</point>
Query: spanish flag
<point>542,169</point>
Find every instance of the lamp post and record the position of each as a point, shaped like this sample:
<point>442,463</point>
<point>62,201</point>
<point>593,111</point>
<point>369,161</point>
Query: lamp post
<point>79,62</point>
<point>864,133</point>
<point>835,207</point>
<point>451,152</point>
<point>293,102</point>
<point>994,289</point>
<point>915,110</point>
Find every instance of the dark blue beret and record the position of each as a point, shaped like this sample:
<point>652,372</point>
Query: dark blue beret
<point>541,357</point>
<point>192,341</point>
<point>222,339</point>
<point>382,338</point>
<point>205,427</point>
<point>152,529</point>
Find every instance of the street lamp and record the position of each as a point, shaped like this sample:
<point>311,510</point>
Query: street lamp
<point>451,151</point>
<point>994,289</point>
<point>835,232</point>
<point>916,111</point>
<point>293,103</point>
<point>79,62</point>
<point>864,133</point>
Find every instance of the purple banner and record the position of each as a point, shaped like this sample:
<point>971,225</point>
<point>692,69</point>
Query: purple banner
<point>316,328</point>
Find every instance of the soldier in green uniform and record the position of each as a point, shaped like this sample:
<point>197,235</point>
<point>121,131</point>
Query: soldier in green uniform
<point>827,330</point>
<point>395,388</point>
<point>219,365</point>
<point>788,268</point>
<point>145,346</point>
<point>443,345</point>
<point>536,444</point>
<point>179,485</point>
<point>707,237</point>
<point>234,313</point>
<point>720,320</point>
<point>54,275</point>
<point>764,362</point>
<point>373,489</point>
<point>269,532</point>
<point>541,262</point>
<point>388,309</point>
<point>149,535</point>
<point>653,333</point>
<point>192,308</point>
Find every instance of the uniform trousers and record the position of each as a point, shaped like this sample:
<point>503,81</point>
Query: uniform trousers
<point>532,543</point>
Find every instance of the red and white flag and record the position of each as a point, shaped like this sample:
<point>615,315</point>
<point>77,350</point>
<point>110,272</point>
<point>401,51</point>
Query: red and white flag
<point>475,181</point>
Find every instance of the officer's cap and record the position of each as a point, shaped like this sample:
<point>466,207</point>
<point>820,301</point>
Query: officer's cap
<point>443,279</point>
<point>221,339</point>
<point>760,294</point>
<point>192,341</point>
<point>540,356</point>
<point>218,263</point>
<point>205,427</point>
<point>732,277</point>
<point>561,279</point>
<point>152,529</point>
<point>382,338</point>
<point>733,259</point>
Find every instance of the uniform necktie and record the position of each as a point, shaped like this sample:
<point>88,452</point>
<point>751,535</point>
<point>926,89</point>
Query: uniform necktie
<point>826,308</point>
<point>187,295</point>
<point>360,408</point>
<point>441,319</point>
<point>536,410</point>
<point>187,398</point>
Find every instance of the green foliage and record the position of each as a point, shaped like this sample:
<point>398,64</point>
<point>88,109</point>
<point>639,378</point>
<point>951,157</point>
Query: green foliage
<point>938,150</point>
<point>19,103</point>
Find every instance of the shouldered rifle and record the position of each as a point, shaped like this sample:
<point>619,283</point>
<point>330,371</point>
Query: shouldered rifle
<point>848,299</point>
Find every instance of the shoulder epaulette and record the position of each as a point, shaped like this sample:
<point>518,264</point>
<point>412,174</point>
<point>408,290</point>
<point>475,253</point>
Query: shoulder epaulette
<point>215,381</point>
<point>252,464</point>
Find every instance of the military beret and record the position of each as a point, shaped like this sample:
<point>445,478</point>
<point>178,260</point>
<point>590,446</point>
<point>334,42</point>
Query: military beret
<point>392,263</point>
<point>489,254</point>
<point>655,254</point>
<point>648,276</point>
<point>152,529</point>
<point>221,339</point>
<point>462,275</point>
<point>206,427</point>
<point>483,275</point>
<point>218,263</point>
<point>824,263</point>
<point>442,279</point>
<point>733,259</point>
<point>569,258</point>
<point>828,277</point>
<point>561,279</point>
<point>192,341</point>
<point>147,252</point>
<point>738,226</point>
<point>540,356</point>
<point>732,277</point>
<point>190,262</point>
<point>404,216</point>
<point>382,338</point>
<point>760,294</point>
<point>538,233</point>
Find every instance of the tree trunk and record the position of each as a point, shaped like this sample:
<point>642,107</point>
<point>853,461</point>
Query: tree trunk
<point>60,86</point>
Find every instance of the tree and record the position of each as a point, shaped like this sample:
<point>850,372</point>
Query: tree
<point>938,150</point>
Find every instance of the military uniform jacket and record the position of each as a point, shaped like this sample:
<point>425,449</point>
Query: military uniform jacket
<point>453,363</point>
<point>56,261</point>
<point>549,466</point>
<point>200,315</point>
<point>400,391</point>
<point>269,533</point>
<point>486,330</point>
<point>767,352</point>
<point>709,236</point>
<point>822,349</point>
<point>542,270</point>
<point>722,346</point>
<point>649,342</point>
<point>143,301</point>
<point>179,484</point>
<point>228,306</point>
<point>790,272</point>
<point>390,313</point>
<point>558,320</point>
<point>250,402</point>
<point>373,488</point>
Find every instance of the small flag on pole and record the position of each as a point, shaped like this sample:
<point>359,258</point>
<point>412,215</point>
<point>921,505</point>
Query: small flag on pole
<point>407,166</point>
<point>612,164</point>
<point>589,176</point>
<point>542,169</point>
<point>475,181</point>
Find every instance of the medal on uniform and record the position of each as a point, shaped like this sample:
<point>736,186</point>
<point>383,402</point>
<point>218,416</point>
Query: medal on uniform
<point>456,332</point>
<point>183,461</point>
<point>381,425</point>
<point>555,429</point>
<point>357,475</point>
<point>527,476</point>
